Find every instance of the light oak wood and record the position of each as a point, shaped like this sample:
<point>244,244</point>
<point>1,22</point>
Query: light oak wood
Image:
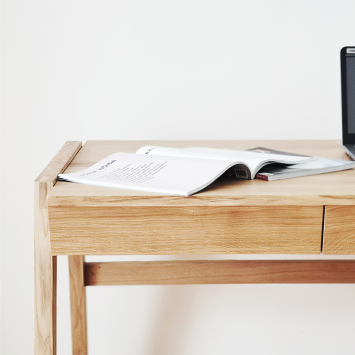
<point>80,214</point>
<point>339,230</point>
<point>229,216</point>
<point>189,230</point>
<point>218,272</point>
<point>57,165</point>
<point>45,265</point>
<point>78,305</point>
<point>319,190</point>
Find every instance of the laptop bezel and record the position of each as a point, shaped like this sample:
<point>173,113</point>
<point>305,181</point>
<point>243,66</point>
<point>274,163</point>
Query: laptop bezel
<point>348,138</point>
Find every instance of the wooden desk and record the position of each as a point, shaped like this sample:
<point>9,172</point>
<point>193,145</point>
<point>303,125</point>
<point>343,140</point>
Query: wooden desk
<point>309,215</point>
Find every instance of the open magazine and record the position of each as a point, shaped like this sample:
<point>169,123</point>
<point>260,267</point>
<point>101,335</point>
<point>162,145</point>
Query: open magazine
<point>176,171</point>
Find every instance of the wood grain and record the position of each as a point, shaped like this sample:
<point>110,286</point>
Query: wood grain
<point>78,305</point>
<point>229,217</point>
<point>57,165</point>
<point>319,190</point>
<point>186,230</point>
<point>339,230</point>
<point>218,272</point>
<point>45,265</point>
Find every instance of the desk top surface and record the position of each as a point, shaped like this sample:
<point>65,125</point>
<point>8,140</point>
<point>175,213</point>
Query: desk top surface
<point>325,189</point>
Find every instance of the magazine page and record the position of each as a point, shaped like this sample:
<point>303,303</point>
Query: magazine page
<point>254,160</point>
<point>161,174</point>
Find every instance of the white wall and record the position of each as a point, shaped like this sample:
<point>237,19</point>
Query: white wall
<point>79,70</point>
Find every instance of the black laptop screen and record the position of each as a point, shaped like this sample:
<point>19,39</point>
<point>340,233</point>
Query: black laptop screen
<point>350,84</point>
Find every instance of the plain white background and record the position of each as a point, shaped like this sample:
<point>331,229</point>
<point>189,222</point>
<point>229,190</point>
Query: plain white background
<point>79,70</point>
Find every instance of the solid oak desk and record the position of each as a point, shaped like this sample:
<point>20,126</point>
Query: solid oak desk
<point>308,215</point>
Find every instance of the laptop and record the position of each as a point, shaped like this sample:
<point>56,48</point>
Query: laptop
<point>347,59</point>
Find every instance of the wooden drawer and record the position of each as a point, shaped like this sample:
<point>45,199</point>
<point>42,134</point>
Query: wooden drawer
<point>185,230</point>
<point>339,230</point>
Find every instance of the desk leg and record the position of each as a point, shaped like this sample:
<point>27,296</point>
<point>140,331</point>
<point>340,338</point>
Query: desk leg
<point>78,304</point>
<point>45,274</point>
<point>45,264</point>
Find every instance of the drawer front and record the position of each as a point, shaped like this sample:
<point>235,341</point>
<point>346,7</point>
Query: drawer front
<point>175,230</point>
<point>339,230</point>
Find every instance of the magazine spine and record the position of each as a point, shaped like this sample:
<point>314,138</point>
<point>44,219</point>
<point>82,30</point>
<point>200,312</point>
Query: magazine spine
<point>262,177</point>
